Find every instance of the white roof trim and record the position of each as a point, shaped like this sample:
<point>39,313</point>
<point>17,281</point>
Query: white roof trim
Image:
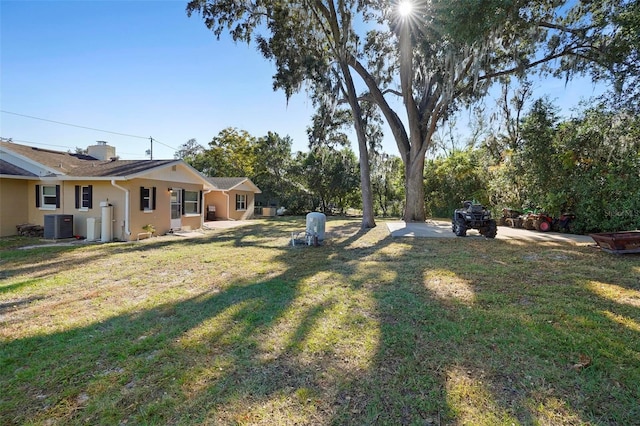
<point>190,169</point>
<point>28,160</point>
<point>22,177</point>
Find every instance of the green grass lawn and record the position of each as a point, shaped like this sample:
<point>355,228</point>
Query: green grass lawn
<point>237,327</point>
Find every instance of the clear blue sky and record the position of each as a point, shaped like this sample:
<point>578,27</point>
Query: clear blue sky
<point>144,68</point>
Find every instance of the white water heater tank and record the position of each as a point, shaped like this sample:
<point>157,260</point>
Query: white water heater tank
<point>107,226</point>
<point>316,224</point>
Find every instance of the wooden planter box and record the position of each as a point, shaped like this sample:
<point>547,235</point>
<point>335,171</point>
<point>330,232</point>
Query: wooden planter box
<point>618,242</point>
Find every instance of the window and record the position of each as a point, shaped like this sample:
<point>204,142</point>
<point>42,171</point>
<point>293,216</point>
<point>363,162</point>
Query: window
<point>147,198</point>
<point>48,196</point>
<point>191,200</point>
<point>241,201</point>
<point>84,197</point>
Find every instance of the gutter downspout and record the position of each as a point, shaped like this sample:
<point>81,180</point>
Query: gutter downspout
<point>127,231</point>
<point>203,208</point>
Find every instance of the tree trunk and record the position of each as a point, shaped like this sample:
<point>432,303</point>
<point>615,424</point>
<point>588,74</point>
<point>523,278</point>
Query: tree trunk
<point>414,188</point>
<point>368,220</point>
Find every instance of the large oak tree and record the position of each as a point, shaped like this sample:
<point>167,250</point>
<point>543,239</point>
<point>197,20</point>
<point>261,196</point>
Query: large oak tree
<point>435,56</point>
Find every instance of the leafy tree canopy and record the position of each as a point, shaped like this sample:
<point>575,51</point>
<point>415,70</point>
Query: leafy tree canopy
<point>443,54</point>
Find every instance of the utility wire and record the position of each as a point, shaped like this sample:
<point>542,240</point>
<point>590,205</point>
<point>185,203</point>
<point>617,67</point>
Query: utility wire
<point>156,140</point>
<point>73,125</point>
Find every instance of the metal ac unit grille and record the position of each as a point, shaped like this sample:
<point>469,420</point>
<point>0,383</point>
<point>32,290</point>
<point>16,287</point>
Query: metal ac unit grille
<point>58,226</point>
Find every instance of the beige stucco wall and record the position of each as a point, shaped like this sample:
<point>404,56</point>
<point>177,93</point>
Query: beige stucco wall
<point>102,191</point>
<point>241,214</point>
<point>161,216</point>
<point>218,199</point>
<point>18,203</point>
<point>225,203</point>
<point>13,205</point>
<point>105,191</point>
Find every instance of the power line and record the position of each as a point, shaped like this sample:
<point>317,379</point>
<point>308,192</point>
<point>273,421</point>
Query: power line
<point>88,128</point>
<point>76,125</point>
<point>156,140</point>
<point>61,146</point>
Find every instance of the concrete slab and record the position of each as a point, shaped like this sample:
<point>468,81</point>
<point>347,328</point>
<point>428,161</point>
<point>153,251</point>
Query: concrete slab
<point>429,229</point>
<point>506,232</point>
<point>442,229</point>
<point>187,234</point>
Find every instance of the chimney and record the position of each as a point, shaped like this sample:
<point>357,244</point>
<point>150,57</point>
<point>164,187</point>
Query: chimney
<point>101,151</point>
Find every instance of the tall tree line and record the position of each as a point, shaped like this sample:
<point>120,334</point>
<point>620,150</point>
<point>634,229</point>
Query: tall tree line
<point>326,178</point>
<point>433,55</point>
<point>588,165</point>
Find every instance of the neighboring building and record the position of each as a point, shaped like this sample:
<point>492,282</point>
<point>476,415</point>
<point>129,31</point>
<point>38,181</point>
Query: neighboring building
<point>168,194</point>
<point>233,198</point>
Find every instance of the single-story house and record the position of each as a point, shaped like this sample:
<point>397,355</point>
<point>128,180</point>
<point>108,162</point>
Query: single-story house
<point>233,198</point>
<point>98,187</point>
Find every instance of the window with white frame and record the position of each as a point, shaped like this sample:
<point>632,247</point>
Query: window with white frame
<point>241,201</point>
<point>147,198</point>
<point>49,197</point>
<point>84,197</point>
<point>191,202</point>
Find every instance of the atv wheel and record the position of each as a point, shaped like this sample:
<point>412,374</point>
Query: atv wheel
<point>460,228</point>
<point>543,226</point>
<point>492,229</point>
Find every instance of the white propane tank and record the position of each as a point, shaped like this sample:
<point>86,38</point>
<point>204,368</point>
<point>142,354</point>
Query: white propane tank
<point>315,226</point>
<point>107,228</point>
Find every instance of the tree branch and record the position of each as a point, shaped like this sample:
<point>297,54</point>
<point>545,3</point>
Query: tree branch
<point>565,52</point>
<point>397,128</point>
<point>576,31</point>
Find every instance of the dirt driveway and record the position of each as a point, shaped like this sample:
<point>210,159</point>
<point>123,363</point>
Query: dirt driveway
<point>442,229</point>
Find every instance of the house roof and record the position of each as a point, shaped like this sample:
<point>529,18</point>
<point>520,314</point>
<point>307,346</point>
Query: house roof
<point>229,183</point>
<point>226,183</point>
<point>60,161</point>
<point>9,169</point>
<point>82,165</point>
<point>119,168</point>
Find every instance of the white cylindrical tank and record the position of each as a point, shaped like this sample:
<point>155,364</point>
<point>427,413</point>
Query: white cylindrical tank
<point>93,228</point>
<point>107,215</point>
<point>316,224</point>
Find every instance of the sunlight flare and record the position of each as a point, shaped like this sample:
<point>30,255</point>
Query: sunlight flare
<point>405,8</point>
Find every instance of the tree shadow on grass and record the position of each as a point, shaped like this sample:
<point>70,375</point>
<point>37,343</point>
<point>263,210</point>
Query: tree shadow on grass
<point>459,347</point>
<point>404,331</point>
<point>41,261</point>
<point>132,357</point>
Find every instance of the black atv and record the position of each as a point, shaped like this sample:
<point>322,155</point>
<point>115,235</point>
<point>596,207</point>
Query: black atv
<point>473,216</point>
